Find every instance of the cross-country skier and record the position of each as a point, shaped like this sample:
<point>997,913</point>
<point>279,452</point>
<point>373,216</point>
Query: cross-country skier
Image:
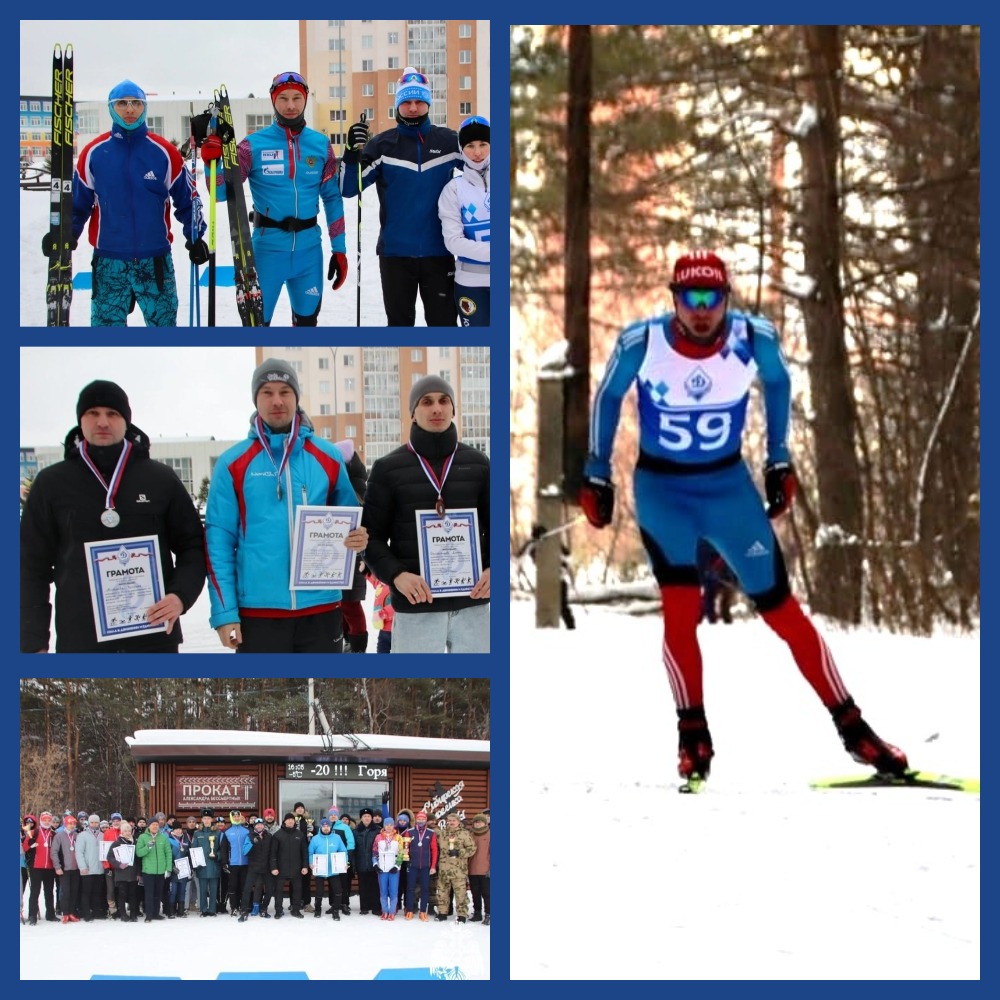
<point>291,169</point>
<point>693,369</point>
<point>409,166</point>
<point>124,182</point>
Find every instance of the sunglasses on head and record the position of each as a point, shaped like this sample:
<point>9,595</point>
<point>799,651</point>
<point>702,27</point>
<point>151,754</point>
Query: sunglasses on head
<point>282,78</point>
<point>475,120</point>
<point>701,298</point>
<point>413,78</point>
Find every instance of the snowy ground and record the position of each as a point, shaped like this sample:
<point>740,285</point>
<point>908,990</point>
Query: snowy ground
<point>355,948</point>
<point>759,877</point>
<point>340,308</point>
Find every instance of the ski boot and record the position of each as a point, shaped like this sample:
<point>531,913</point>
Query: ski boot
<point>694,748</point>
<point>861,742</point>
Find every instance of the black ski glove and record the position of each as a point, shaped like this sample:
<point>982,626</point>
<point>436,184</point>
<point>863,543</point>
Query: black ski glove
<point>48,244</point>
<point>337,271</point>
<point>385,798</point>
<point>357,135</point>
<point>780,485</point>
<point>198,252</point>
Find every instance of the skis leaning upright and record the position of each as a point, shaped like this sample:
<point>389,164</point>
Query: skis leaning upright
<point>248,297</point>
<point>59,285</point>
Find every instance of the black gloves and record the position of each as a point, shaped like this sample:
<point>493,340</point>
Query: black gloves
<point>48,246</point>
<point>337,271</point>
<point>357,135</point>
<point>780,485</point>
<point>198,252</point>
<point>385,798</point>
<point>597,498</point>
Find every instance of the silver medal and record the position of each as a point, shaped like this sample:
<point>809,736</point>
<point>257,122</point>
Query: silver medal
<point>110,518</point>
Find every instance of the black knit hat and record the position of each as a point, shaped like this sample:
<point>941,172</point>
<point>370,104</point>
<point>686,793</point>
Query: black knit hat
<point>473,129</point>
<point>102,393</point>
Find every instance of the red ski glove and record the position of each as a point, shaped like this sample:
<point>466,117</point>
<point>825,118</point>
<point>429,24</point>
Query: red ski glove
<point>211,149</point>
<point>337,271</point>
<point>597,498</point>
<point>780,485</point>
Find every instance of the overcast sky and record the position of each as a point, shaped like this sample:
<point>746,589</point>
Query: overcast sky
<point>173,391</point>
<point>170,59</point>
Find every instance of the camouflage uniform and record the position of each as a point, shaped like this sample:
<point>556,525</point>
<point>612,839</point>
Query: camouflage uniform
<point>453,871</point>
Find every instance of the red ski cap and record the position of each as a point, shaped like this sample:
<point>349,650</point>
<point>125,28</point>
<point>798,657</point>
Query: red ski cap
<point>699,269</point>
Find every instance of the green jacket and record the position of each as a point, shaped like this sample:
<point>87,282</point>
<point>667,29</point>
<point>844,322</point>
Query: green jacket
<point>157,857</point>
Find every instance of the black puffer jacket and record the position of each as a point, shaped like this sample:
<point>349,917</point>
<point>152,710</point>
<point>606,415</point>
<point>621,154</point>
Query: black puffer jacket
<point>398,487</point>
<point>63,510</point>
<point>364,838</point>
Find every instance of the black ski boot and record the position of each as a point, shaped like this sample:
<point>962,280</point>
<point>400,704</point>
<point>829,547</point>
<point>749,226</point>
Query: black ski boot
<point>861,742</point>
<point>694,746</point>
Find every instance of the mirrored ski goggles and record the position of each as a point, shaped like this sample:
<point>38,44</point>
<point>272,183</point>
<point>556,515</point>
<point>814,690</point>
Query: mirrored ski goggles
<point>129,102</point>
<point>475,120</point>
<point>282,78</point>
<point>414,78</point>
<point>701,298</point>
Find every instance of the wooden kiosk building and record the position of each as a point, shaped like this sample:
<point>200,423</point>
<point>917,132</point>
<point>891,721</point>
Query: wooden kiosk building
<point>181,772</point>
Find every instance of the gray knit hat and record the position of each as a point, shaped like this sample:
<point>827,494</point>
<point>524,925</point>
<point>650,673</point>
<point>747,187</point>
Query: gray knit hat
<point>273,370</point>
<point>430,383</point>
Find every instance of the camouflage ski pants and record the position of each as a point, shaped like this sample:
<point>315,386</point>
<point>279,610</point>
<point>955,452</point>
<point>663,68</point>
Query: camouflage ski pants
<point>118,285</point>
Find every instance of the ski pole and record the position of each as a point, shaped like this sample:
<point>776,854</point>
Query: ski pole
<point>194,304</point>
<point>211,226</point>
<point>359,230</point>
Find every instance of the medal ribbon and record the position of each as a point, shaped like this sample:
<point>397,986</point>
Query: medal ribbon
<point>293,434</point>
<point>116,477</point>
<point>429,472</point>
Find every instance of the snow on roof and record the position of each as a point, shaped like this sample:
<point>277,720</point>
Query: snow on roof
<point>240,738</point>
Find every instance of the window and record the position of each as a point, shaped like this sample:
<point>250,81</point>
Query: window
<point>324,363</point>
<point>465,55</point>
<point>297,367</point>
<point>392,37</point>
<point>465,31</point>
<point>351,430</point>
<point>367,65</point>
<point>336,68</point>
<point>394,62</point>
<point>87,122</point>
<point>416,355</point>
<point>368,90</point>
<point>316,796</point>
<point>324,409</point>
<point>335,24</point>
<point>465,83</point>
<point>338,44</point>
<point>367,41</point>
<point>348,360</point>
<point>391,88</point>
<point>445,352</point>
<point>445,373</point>
<point>182,466</point>
<point>338,116</point>
<point>349,384</point>
<point>155,123</point>
<point>324,387</point>
<point>256,122</point>
<point>338,92</point>
<point>465,108</point>
<point>350,407</point>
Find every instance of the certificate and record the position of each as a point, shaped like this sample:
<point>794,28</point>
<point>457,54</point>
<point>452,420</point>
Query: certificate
<point>183,868</point>
<point>338,862</point>
<point>126,578</point>
<point>198,857</point>
<point>320,559</point>
<point>450,557</point>
<point>125,853</point>
<point>321,865</point>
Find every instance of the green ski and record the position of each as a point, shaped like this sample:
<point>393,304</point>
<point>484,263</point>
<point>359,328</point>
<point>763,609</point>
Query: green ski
<point>909,779</point>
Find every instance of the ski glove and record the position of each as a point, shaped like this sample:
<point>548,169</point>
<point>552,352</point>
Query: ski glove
<point>597,498</point>
<point>211,149</point>
<point>385,798</point>
<point>198,252</point>
<point>780,485</point>
<point>357,135</point>
<point>48,246</point>
<point>337,271</point>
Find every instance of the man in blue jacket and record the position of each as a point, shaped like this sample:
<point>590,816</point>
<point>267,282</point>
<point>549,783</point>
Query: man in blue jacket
<point>124,182</point>
<point>291,168</point>
<point>256,489</point>
<point>409,166</point>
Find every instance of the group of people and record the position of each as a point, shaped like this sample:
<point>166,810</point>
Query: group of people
<point>107,488</point>
<point>86,868</point>
<point>434,208</point>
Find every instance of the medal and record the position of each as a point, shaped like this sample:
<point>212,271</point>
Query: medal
<point>293,435</point>
<point>110,518</point>
<point>438,484</point>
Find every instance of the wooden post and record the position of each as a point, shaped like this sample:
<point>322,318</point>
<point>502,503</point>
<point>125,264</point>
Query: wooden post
<point>549,498</point>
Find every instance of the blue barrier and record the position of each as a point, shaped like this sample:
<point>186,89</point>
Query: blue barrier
<point>225,277</point>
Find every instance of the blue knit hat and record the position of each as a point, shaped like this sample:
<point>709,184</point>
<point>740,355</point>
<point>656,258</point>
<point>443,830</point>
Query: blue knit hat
<point>413,86</point>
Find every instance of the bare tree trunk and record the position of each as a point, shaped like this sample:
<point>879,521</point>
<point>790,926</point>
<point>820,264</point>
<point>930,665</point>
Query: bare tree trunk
<point>838,478</point>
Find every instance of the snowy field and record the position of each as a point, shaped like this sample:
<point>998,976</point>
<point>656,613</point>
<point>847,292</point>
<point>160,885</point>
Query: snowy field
<point>759,877</point>
<point>339,309</point>
<point>356,948</point>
